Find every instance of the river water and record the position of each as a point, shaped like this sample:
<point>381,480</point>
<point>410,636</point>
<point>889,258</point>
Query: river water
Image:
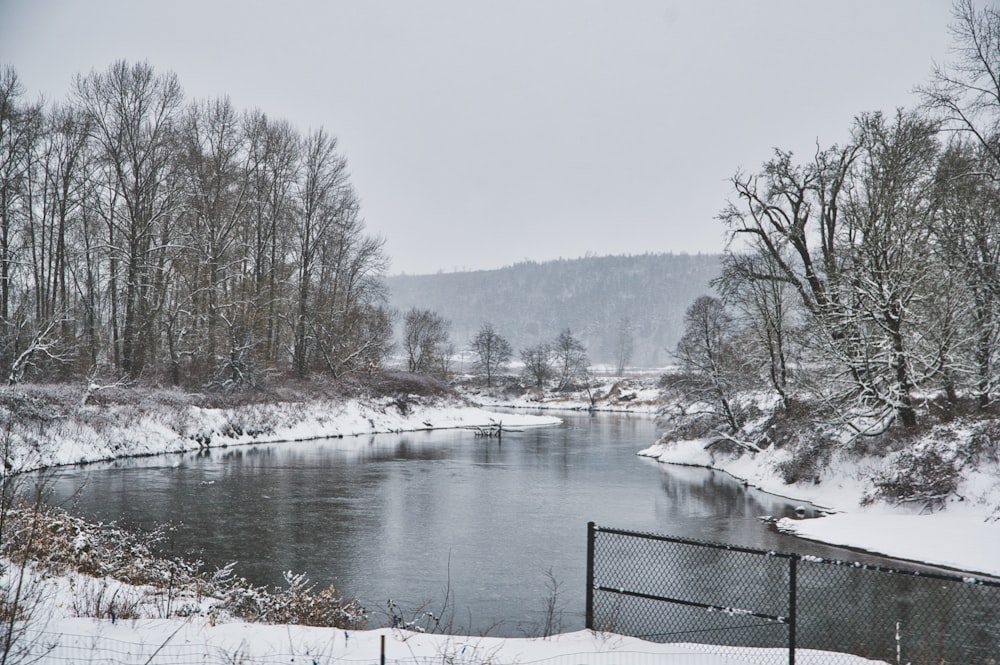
<point>471,529</point>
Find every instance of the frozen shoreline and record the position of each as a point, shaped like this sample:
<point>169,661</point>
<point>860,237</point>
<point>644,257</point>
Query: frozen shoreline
<point>961,537</point>
<point>289,422</point>
<point>96,434</point>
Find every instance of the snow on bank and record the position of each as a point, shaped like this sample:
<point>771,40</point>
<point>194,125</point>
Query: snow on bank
<point>98,433</point>
<point>178,641</point>
<point>610,393</point>
<point>959,541</point>
<point>964,535</point>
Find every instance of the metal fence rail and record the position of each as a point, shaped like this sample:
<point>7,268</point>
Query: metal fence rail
<point>669,589</point>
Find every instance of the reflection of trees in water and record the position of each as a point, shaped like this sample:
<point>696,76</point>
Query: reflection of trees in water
<point>719,494</point>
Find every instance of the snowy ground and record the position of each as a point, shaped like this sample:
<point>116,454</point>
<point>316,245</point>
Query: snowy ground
<point>964,535</point>
<point>103,433</point>
<point>633,394</point>
<point>188,641</point>
<point>959,537</point>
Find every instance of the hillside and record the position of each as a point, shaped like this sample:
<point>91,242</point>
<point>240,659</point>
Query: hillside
<point>531,302</point>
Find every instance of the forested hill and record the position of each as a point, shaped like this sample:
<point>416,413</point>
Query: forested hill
<point>594,297</point>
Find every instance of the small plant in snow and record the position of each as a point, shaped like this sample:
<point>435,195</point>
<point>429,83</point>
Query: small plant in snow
<point>299,603</point>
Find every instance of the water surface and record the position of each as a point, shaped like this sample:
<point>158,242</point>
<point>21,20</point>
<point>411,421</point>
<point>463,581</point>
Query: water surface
<point>468,528</point>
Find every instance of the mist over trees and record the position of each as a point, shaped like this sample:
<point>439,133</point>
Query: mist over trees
<point>143,235</point>
<point>622,308</point>
<point>865,277</point>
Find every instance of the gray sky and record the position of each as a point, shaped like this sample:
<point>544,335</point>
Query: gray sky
<point>480,134</point>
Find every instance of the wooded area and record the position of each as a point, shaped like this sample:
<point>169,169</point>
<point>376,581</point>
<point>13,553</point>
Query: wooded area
<point>190,243</point>
<point>865,278</point>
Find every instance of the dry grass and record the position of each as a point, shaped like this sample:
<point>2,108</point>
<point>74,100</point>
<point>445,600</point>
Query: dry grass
<point>54,541</point>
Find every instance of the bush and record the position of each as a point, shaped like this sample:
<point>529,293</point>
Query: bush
<point>924,475</point>
<point>299,604</point>
<point>808,459</point>
<point>57,542</point>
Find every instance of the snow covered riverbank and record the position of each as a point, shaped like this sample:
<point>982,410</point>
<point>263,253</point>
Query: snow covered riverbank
<point>185,641</point>
<point>45,433</point>
<point>963,535</point>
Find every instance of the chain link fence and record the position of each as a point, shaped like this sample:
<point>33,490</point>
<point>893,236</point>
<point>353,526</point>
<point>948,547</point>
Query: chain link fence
<point>669,589</point>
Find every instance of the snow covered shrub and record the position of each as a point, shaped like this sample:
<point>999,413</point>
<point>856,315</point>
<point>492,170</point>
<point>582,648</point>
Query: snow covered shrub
<point>300,603</point>
<point>681,422</point>
<point>984,443</point>
<point>59,542</point>
<point>922,474</point>
<point>28,407</point>
<point>249,421</point>
<point>809,456</point>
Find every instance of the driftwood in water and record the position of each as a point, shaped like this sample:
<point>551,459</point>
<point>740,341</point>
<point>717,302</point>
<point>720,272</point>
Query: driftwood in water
<point>493,430</point>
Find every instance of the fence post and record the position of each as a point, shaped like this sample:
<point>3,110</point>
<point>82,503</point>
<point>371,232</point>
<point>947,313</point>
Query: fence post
<point>793,584</point>
<point>589,617</point>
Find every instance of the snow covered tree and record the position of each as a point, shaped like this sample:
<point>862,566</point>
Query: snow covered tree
<point>713,369</point>
<point>133,112</point>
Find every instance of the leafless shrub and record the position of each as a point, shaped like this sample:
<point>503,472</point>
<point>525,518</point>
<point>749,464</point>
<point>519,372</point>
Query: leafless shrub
<point>553,606</point>
<point>299,603</point>
<point>810,455</point>
<point>928,476</point>
<point>95,598</point>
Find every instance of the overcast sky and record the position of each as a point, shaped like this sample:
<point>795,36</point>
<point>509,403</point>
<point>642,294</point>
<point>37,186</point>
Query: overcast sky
<point>480,134</point>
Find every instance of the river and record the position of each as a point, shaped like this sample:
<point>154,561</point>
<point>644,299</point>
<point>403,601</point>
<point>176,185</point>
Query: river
<point>474,530</point>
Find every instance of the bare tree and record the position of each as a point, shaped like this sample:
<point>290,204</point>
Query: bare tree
<point>425,339</point>
<point>624,345</point>
<point>967,234</point>
<point>273,166</point>
<point>133,112</point>
<point>569,359</point>
<point>751,283</point>
<point>537,362</point>
<point>216,195</point>
<point>713,370</point>
<point>492,352</point>
<point>967,92</point>
<point>19,129</point>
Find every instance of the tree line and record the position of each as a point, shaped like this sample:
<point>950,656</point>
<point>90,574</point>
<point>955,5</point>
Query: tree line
<point>560,364</point>
<point>187,242</point>
<point>597,297</point>
<point>867,277</point>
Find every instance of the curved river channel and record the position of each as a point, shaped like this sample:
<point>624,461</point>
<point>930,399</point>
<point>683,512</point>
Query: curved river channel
<point>419,517</point>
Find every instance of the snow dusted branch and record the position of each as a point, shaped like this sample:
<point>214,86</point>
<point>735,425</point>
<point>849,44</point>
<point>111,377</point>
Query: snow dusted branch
<point>94,387</point>
<point>43,343</point>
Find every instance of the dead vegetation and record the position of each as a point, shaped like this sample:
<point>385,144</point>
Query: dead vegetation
<point>119,574</point>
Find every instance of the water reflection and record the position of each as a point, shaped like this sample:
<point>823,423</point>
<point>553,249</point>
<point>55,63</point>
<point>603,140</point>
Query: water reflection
<point>414,517</point>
